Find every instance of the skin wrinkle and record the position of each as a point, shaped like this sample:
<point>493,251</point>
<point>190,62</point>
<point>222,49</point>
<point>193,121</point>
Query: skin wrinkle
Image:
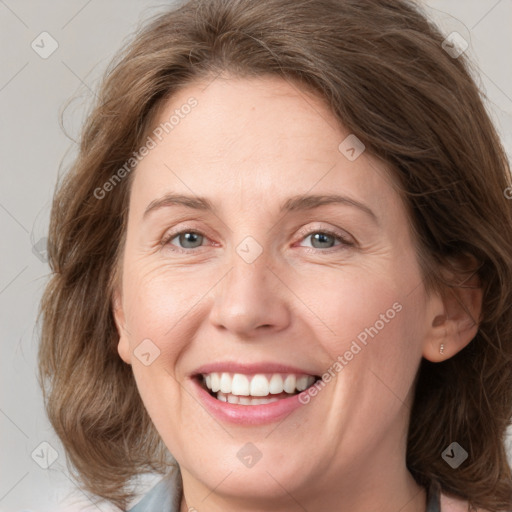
<point>439,151</point>
<point>354,432</point>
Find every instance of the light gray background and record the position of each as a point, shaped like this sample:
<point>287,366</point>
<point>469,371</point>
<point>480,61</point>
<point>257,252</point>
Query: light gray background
<point>33,91</point>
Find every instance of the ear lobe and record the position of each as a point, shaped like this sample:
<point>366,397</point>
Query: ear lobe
<point>456,321</point>
<point>123,345</point>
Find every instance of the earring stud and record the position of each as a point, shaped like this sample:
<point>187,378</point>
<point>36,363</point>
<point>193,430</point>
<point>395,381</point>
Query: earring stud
<point>441,349</point>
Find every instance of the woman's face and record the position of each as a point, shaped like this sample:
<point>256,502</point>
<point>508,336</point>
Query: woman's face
<point>261,285</point>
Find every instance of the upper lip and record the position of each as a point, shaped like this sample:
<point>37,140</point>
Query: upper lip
<point>249,368</point>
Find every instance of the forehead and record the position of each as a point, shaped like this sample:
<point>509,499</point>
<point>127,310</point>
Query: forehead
<point>252,140</point>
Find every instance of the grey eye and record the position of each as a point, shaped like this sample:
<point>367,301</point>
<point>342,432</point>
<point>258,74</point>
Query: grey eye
<point>322,240</point>
<point>189,239</point>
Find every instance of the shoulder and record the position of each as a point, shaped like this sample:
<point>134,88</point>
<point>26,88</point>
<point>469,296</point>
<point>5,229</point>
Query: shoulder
<point>450,504</point>
<point>166,495</point>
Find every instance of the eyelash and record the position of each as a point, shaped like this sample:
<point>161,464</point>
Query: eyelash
<point>303,233</point>
<point>337,235</point>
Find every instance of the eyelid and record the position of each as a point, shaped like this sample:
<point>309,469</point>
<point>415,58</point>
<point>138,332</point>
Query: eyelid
<point>344,237</point>
<point>341,234</point>
<point>174,233</point>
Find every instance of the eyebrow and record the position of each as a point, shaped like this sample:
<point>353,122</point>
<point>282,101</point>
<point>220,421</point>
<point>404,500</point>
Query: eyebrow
<point>299,202</point>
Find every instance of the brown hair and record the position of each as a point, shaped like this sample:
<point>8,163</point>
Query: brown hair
<point>380,67</point>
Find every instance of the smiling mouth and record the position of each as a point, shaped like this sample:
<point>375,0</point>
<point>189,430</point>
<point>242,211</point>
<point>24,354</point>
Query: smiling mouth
<point>257,389</point>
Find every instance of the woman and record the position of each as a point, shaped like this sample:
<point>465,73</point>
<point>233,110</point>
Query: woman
<point>282,268</point>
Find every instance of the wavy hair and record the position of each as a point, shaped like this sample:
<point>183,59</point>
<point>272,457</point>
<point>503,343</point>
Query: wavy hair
<point>380,67</point>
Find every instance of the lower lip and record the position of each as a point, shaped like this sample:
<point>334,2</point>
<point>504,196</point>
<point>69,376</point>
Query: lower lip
<point>247,414</point>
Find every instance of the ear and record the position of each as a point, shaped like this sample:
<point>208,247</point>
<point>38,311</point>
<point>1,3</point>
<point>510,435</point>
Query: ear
<point>123,346</point>
<point>454,317</point>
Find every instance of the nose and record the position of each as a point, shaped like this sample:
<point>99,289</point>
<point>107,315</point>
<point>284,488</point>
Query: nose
<point>251,299</point>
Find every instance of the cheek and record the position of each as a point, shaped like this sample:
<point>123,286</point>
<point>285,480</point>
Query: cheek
<point>348,302</point>
<point>160,300</point>
<point>371,318</point>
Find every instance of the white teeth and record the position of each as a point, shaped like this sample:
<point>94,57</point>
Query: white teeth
<point>240,385</point>
<point>232,399</point>
<point>244,400</point>
<point>289,383</point>
<point>215,381</point>
<point>276,384</point>
<point>225,383</point>
<point>302,382</point>
<point>259,385</point>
